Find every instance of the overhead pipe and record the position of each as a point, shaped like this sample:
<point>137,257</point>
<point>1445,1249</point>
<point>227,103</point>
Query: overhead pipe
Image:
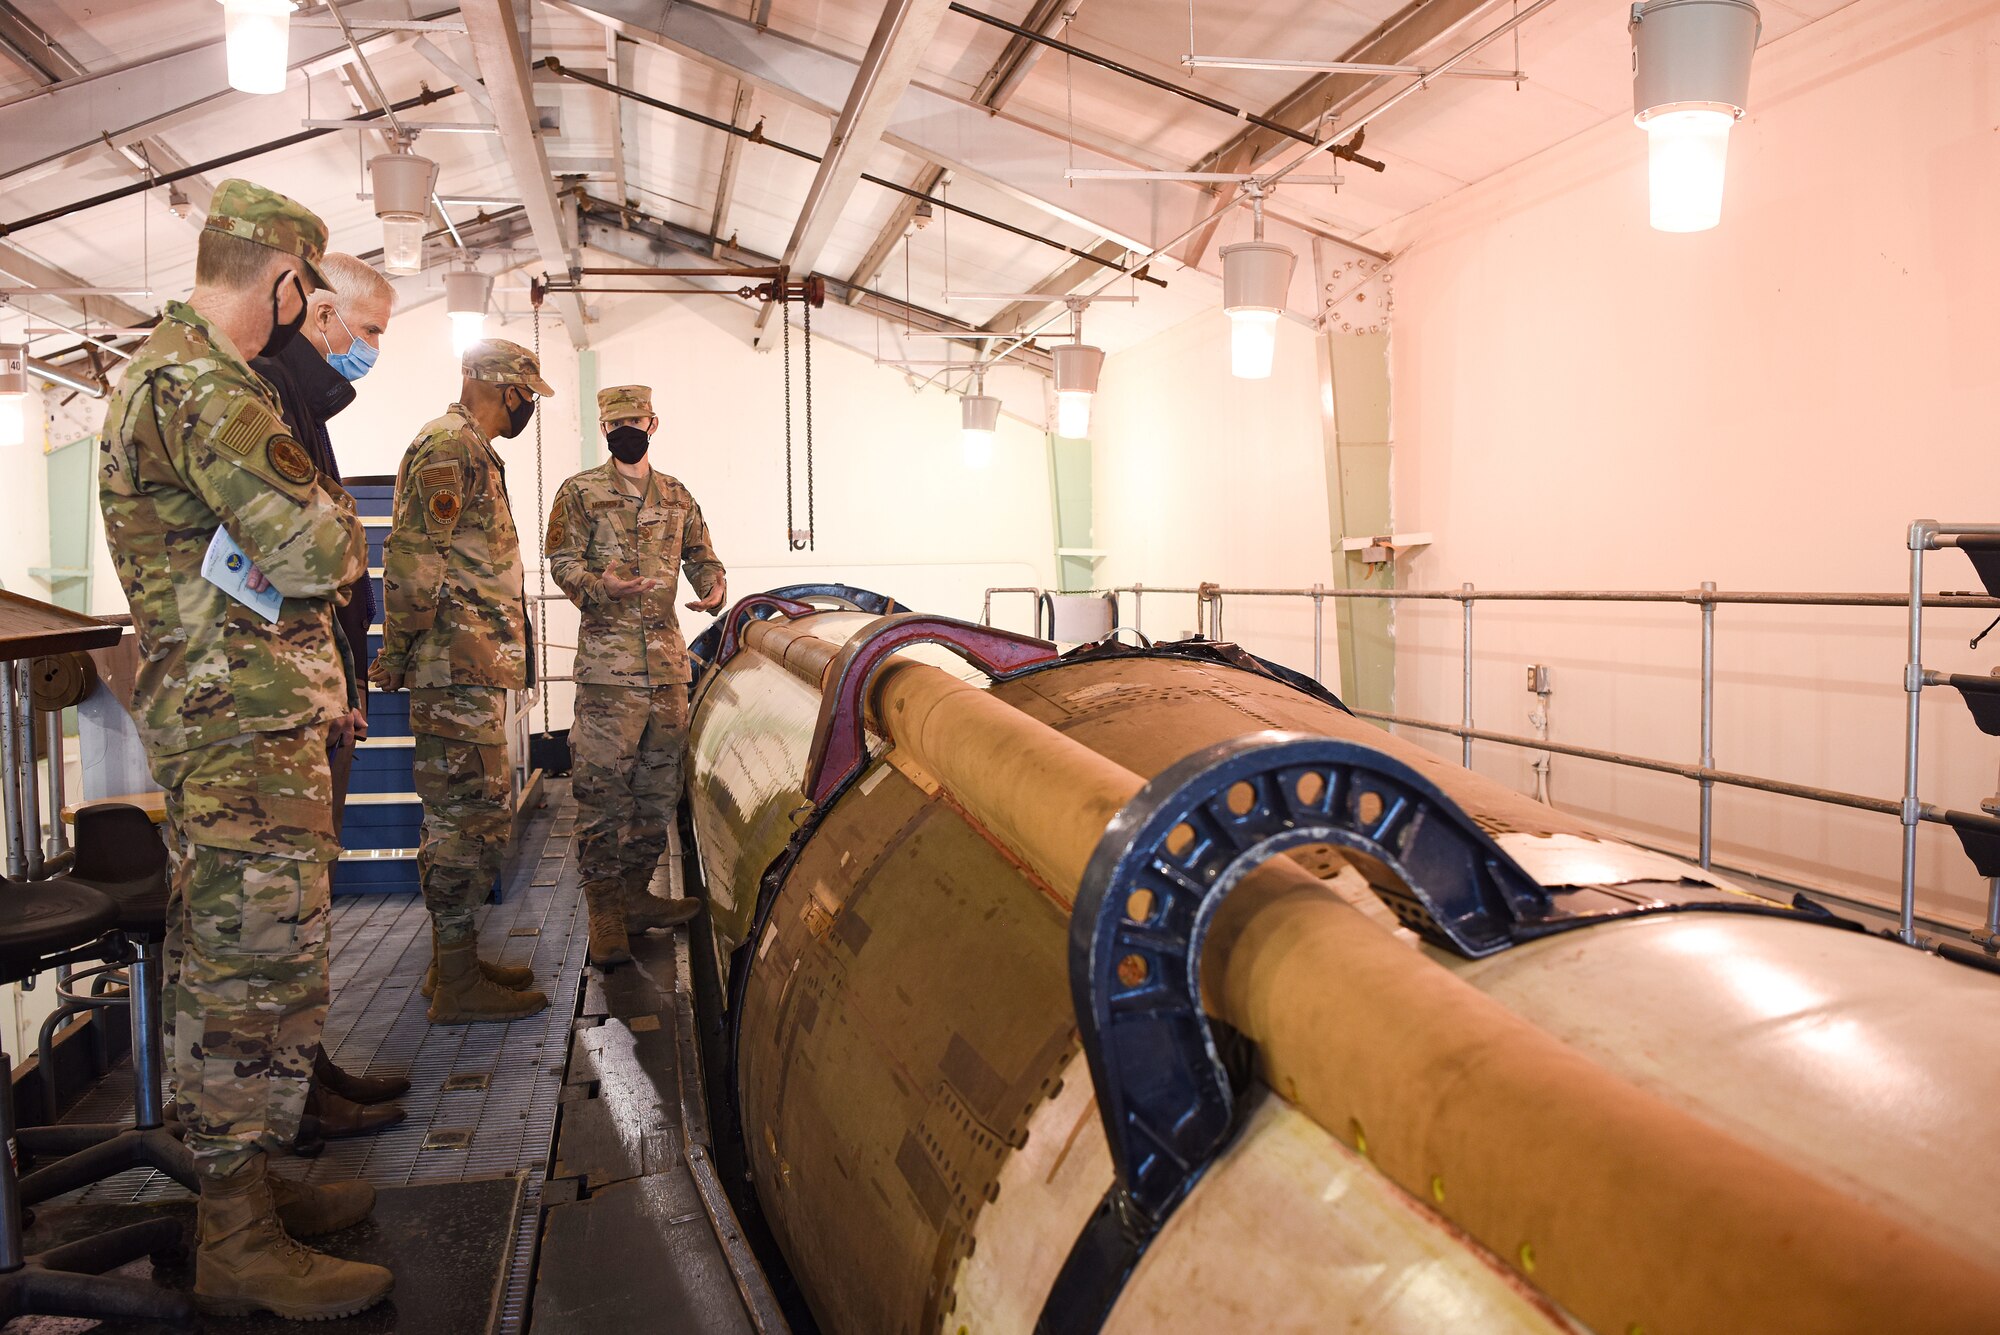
<point>153,182</point>
<point>756,136</point>
<point>1345,150</point>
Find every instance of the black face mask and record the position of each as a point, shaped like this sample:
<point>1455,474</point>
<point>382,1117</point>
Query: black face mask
<point>281,333</point>
<point>518,415</point>
<point>627,444</point>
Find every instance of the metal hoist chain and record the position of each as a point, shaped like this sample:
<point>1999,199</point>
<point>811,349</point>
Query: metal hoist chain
<point>541,528</point>
<point>793,540</point>
<point>791,528</point>
<point>812,525</point>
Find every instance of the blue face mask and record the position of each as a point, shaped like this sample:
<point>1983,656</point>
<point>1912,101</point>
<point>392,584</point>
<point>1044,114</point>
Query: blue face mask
<point>357,360</point>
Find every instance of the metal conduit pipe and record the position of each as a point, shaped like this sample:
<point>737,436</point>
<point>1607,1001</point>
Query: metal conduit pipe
<point>756,136</point>
<point>1348,151</point>
<point>1362,1033</point>
<point>424,98</point>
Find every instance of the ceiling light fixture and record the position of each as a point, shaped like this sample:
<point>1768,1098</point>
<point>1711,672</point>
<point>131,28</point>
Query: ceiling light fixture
<point>466,294</point>
<point>257,34</point>
<point>1690,84</point>
<point>1077,368</point>
<point>1256,278</point>
<point>978,418</point>
<point>403,183</point>
<point>13,394</point>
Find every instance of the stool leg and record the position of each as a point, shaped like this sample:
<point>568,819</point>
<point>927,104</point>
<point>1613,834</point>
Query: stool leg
<point>10,1192</point>
<point>147,1064</point>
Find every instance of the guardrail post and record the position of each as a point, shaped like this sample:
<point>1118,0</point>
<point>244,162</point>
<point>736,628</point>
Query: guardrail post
<point>1921,534</point>
<point>1707,721</point>
<point>1465,751</point>
<point>1139,608</point>
<point>1319,611</point>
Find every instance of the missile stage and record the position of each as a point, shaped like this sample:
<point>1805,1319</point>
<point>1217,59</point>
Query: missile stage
<point>1147,989</point>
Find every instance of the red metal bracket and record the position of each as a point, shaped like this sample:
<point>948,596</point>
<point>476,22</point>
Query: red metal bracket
<point>840,743</point>
<point>757,607</point>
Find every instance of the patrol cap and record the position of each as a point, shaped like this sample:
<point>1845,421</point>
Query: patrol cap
<point>258,213</point>
<point>499,362</point>
<point>624,403</point>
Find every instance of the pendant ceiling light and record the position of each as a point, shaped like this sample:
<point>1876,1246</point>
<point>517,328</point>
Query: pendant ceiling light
<point>466,293</point>
<point>1690,84</point>
<point>979,418</point>
<point>1077,368</point>
<point>257,36</point>
<point>403,183</point>
<point>13,394</point>
<point>1256,276</point>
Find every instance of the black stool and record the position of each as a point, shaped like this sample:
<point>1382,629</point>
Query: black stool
<point>119,854</point>
<point>44,923</point>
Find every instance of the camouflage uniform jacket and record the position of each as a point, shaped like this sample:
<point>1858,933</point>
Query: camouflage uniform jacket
<point>192,442</point>
<point>453,613</point>
<point>597,526</point>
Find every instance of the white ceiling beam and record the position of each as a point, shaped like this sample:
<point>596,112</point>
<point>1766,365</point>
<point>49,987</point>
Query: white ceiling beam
<point>618,69</point>
<point>1014,157</point>
<point>47,60</point>
<point>503,63</point>
<point>119,106</point>
<point>994,90</point>
<point>903,31</point>
<point>23,268</point>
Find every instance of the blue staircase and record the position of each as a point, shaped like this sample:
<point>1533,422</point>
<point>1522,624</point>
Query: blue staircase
<point>384,819</point>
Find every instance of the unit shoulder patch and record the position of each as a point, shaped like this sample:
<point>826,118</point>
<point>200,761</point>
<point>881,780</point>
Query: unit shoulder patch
<point>444,506</point>
<point>556,532</point>
<point>290,461</point>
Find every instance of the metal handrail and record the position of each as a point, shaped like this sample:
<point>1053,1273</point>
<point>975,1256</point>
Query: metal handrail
<point>1924,535</point>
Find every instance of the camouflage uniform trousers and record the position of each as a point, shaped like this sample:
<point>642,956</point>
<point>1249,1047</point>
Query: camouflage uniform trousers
<point>246,988</point>
<point>461,775</point>
<point>625,767</point>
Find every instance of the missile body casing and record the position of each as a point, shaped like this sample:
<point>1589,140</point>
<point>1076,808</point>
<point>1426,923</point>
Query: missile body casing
<point>908,1040</point>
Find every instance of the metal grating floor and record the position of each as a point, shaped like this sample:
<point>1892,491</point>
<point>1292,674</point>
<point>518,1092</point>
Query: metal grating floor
<point>380,950</point>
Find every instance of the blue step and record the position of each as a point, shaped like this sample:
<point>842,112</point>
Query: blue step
<point>381,769</point>
<point>376,876</point>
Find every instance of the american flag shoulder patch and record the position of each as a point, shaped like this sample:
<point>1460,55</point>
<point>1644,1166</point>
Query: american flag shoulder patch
<point>437,475</point>
<point>248,424</point>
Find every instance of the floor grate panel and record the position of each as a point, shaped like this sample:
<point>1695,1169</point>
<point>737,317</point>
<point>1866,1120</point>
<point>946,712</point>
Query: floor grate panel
<point>502,1124</point>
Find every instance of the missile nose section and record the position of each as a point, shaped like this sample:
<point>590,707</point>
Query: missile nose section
<point>1149,989</point>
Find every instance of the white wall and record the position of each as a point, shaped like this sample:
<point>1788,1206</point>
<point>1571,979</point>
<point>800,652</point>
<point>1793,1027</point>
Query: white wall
<point>1581,402</point>
<point>1199,476</point>
<point>24,537</point>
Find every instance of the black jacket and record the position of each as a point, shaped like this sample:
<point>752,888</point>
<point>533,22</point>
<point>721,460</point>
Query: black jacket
<point>310,392</point>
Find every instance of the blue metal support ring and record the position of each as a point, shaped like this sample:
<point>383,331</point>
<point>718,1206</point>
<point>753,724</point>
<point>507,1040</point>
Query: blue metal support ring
<point>1152,888</point>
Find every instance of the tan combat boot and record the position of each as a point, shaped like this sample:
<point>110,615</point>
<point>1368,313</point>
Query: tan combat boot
<point>465,995</point>
<point>608,943</point>
<point>245,1262</point>
<point>512,976</point>
<point>309,1211</point>
<point>645,910</point>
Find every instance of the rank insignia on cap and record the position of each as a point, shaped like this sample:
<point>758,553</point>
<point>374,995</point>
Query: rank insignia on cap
<point>444,506</point>
<point>556,533</point>
<point>292,463</point>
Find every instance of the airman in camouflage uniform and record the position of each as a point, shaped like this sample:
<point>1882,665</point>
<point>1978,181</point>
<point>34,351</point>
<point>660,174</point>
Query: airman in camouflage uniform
<point>619,536</point>
<point>455,631</point>
<point>233,711</point>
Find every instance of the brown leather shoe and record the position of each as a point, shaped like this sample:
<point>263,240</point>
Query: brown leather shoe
<point>357,1088</point>
<point>338,1118</point>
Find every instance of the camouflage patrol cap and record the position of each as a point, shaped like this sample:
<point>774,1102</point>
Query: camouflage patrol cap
<point>502,363</point>
<point>624,403</point>
<point>257,213</point>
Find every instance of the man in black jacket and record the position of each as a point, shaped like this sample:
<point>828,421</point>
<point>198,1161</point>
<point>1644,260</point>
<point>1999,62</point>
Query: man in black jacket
<point>314,375</point>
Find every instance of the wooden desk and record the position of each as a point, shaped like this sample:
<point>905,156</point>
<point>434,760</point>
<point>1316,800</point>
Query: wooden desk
<point>154,804</point>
